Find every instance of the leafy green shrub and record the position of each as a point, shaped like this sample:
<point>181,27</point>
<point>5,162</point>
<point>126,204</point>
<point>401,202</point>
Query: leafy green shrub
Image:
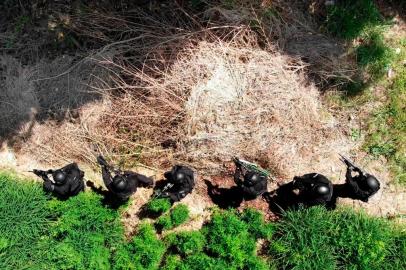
<point>177,216</point>
<point>23,220</point>
<point>164,222</point>
<point>255,263</point>
<point>228,238</point>
<point>145,251</point>
<point>203,261</point>
<point>226,242</point>
<point>256,224</point>
<point>172,262</point>
<point>348,18</point>
<point>186,243</point>
<point>88,230</point>
<point>158,206</point>
<point>317,239</point>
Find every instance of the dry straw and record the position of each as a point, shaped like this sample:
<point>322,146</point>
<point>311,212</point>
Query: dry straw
<point>176,92</point>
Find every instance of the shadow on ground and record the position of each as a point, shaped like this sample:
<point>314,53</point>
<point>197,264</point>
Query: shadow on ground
<point>224,198</point>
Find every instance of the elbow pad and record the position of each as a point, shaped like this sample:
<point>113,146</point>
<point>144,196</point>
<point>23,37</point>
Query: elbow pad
<point>49,186</point>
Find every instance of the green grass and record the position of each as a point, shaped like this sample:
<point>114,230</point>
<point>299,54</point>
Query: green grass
<point>37,233</point>
<point>349,19</point>
<point>361,23</point>
<point>317,239</point>
<point>23,220</point>
<point>387,129</point>
<point>374,55</point>
<point>362,26</point>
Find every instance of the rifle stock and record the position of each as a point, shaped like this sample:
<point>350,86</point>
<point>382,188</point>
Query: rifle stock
<point>249,166</point>
<point>160,192</point>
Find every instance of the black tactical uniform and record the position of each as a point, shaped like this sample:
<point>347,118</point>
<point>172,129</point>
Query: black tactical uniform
<point>252,184</point>
<point>67,181</point>
<point>123,185</point>
<point>314,189</point>
<point>183,182</point>
<point>362,186</point>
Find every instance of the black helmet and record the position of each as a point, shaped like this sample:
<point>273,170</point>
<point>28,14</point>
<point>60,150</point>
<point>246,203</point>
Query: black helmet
<point>178,177</point>
<point>119,183</point>
<point>59,177</point>
<point>322,190</point>
<point>251,177</point>
<point>372,183</point>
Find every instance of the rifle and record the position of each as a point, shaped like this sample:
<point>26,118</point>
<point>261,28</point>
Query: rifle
<point>38,173</point>
<point>160,192</point>
<point>103,162</point>
<point>351,164</point>
<point>249,166</point>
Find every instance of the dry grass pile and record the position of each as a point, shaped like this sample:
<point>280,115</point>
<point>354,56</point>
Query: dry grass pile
<point>226,98</point>
<point>294,30</point>
<point>18,101</point>
<point>216,100</point>
<point>176,91</point>
<point>39,108</point>
<point>47,90</point>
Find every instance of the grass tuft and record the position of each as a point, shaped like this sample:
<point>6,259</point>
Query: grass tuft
<point>24,218</point>
<point>158,206</point>
<point>177,216</point>
<point>349,19</point>
<point>318,239</point>
<point>145,251</point>
<point>186,243</point>
<point>388,128</point>
<point>374,55</point>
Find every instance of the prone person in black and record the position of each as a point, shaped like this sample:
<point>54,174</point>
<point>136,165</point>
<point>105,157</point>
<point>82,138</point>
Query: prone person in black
<point>251,183</point>
<point>123,184</point>
<point>66,182</point>
<point>361,186</point>
<point>314,189</point>
<point>180,182</point>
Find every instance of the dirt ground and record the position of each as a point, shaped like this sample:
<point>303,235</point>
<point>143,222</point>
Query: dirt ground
<point>389,202</point>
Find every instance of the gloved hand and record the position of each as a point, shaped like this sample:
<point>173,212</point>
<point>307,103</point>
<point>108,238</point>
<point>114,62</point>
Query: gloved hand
<point>39,173</point>
<point>48,186</point>
<point>348,174</point>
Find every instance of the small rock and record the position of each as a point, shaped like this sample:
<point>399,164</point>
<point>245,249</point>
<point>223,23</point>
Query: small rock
<point>390,73</point>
